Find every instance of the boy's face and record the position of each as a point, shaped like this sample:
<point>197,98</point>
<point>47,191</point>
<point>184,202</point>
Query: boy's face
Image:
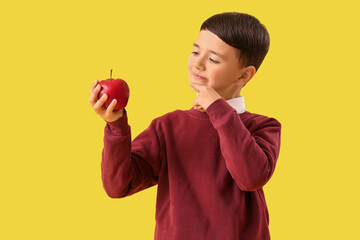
<point>214,63</point>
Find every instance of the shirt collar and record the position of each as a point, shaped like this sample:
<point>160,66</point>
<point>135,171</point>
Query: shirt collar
<point>237,103</point>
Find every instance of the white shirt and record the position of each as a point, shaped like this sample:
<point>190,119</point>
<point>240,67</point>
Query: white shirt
<point>237,103</point>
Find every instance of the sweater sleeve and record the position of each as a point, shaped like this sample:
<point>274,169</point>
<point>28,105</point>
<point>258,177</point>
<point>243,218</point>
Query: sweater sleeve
<point>129,166</point>
<point>250,156</point>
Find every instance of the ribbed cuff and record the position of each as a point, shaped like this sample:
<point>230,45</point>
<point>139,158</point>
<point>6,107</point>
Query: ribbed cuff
<point>120,126</point>
<point>219,111</point>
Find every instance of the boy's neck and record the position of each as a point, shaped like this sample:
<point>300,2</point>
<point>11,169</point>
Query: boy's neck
<point>231,95</point>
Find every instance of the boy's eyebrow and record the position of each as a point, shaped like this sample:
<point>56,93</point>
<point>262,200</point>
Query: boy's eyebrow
<point>218,54</point>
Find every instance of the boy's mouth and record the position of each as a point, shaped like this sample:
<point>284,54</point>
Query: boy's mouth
<point>196,76</point>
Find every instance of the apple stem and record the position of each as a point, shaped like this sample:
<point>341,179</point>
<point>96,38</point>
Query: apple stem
<point>110,73</point>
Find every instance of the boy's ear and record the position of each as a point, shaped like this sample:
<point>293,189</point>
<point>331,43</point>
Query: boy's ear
<point>246,75</point>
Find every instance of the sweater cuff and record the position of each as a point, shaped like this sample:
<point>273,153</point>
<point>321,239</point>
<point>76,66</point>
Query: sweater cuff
<point>120,126</point>
<point>219,111</point>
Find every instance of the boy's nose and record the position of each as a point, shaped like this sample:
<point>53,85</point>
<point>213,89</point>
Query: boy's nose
<point>199,65</point>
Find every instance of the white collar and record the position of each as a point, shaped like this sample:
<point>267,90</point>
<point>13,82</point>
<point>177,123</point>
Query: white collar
<point>237,103</point>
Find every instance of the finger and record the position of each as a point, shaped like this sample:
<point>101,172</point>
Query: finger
<point>199,108</point>
<point>111,107</point>
<point>193,85</point>
<point>93,86</point>
<point>94,94</point>
<point>98,105</point>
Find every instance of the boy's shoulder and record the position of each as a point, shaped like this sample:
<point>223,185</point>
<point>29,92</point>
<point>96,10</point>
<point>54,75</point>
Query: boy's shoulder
<point>256,116</point>
<point>251,119</point>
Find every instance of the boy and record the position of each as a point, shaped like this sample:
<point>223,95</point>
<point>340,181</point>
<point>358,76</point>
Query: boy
<point>212,161</point>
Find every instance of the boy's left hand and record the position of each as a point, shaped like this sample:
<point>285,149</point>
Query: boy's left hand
<point>206,96</point>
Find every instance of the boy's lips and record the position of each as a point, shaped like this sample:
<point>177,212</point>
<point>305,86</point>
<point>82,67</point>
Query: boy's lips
<point>196,76</point>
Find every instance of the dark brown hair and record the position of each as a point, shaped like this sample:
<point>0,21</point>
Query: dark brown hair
<point>241,31</point>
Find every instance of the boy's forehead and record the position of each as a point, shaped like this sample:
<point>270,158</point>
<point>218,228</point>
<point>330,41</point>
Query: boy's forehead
<point>210,41</point>
<point>208,38</point>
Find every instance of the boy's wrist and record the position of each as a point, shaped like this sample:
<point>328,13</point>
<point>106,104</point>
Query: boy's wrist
<point>120,126</point>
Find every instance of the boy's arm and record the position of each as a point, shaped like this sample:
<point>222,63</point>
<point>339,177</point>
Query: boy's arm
<point>126,167</point>
<point>250,157</point>
<point>129,167</point>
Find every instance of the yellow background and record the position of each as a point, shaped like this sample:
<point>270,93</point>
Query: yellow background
<point>51,140</point>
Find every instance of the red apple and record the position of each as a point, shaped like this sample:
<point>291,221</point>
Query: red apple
<point>115,89</point>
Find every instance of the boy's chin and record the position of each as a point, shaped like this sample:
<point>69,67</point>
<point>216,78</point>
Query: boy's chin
<point>201,82</point>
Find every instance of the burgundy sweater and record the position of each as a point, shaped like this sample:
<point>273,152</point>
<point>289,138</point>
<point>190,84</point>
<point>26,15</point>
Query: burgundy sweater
<point>210,168</point>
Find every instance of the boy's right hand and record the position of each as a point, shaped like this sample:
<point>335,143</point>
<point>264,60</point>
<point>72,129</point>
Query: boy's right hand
<point>109,115</point>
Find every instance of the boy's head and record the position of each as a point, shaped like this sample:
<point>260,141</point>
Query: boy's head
<point>228,51</point>
<point>243,32</point>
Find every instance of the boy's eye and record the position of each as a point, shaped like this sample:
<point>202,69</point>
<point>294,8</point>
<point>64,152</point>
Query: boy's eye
<point>213,61</point>
<point>210,59</point>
